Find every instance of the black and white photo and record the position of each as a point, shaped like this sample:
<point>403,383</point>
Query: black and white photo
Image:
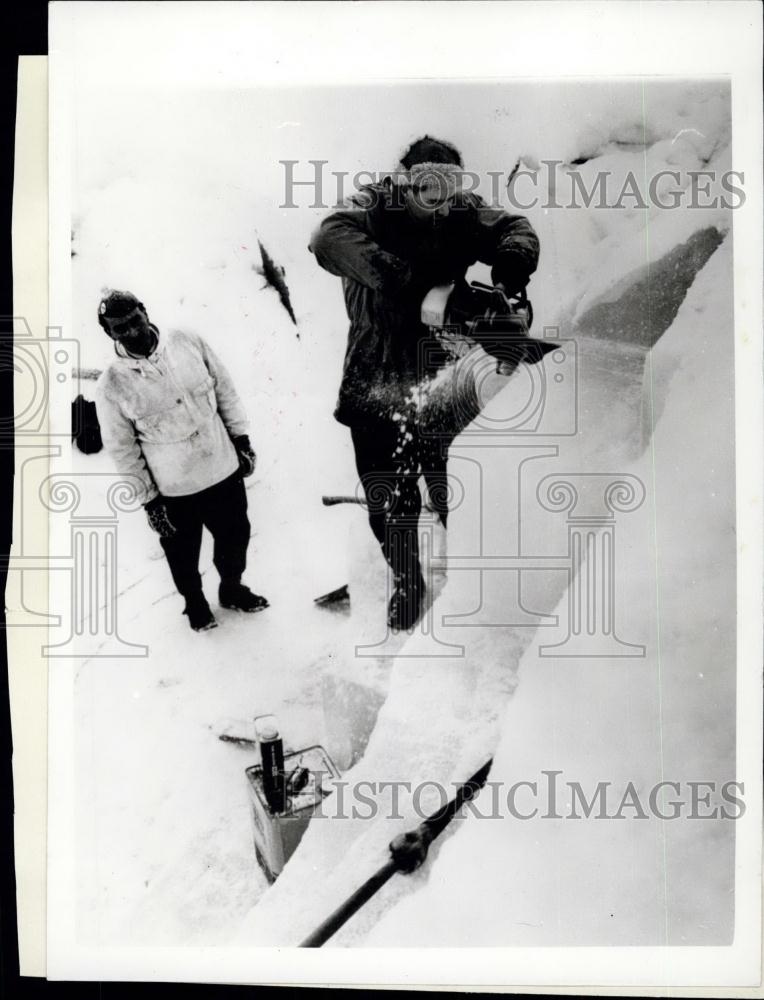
<point>405,607</point>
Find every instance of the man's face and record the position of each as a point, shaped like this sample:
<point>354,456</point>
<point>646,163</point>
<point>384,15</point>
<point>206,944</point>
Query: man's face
<point>132,331</point>
<point>430,202</point>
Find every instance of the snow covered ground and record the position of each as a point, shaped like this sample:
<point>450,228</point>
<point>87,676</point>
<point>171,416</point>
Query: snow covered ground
<point>172,208</point>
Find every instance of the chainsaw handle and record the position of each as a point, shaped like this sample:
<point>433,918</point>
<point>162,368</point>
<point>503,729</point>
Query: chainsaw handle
<point>519,298</point>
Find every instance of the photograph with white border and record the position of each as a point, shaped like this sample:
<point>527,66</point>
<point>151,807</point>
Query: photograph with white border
<point>405,512</point>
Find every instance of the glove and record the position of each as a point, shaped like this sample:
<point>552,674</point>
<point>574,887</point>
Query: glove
<point>156,512</point>
<point>511,281</point>
<point>247,456</point>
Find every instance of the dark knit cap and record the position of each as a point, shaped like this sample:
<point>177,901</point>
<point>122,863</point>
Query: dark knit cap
<point>116,305</point>
<point>430,150</point>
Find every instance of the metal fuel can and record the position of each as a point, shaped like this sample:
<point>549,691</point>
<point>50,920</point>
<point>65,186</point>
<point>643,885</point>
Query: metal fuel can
<point>276,835</point>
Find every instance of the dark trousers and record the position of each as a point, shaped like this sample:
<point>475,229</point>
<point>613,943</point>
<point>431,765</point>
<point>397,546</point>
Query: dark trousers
<point>222,509</point>
<point>390,458</point>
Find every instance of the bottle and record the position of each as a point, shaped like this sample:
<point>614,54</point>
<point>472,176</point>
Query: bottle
<point>272,757</point>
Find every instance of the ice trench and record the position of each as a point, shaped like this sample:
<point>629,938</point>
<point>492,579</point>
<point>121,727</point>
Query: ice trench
<point>417,717</point>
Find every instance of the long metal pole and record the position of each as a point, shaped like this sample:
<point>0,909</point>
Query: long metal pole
<point>351,905</point>
<point>408,851</point>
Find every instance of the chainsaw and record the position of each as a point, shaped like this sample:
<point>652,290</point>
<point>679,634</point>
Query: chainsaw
<point>487,316</point>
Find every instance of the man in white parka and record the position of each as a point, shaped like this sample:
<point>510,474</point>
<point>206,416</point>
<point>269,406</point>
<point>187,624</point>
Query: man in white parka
<point>171,417</point>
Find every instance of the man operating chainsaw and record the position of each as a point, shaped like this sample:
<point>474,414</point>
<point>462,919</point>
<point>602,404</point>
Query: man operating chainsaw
<point>395,242</point>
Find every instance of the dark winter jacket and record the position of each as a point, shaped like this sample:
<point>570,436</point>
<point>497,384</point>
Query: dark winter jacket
<point>388,262</point>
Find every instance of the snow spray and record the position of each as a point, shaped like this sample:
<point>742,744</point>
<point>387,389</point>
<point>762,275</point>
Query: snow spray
<point>272,757</point>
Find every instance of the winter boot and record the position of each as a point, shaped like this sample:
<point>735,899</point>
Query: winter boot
<point>235,596</point>
<point>200,617</point>
<point>406,603</point>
